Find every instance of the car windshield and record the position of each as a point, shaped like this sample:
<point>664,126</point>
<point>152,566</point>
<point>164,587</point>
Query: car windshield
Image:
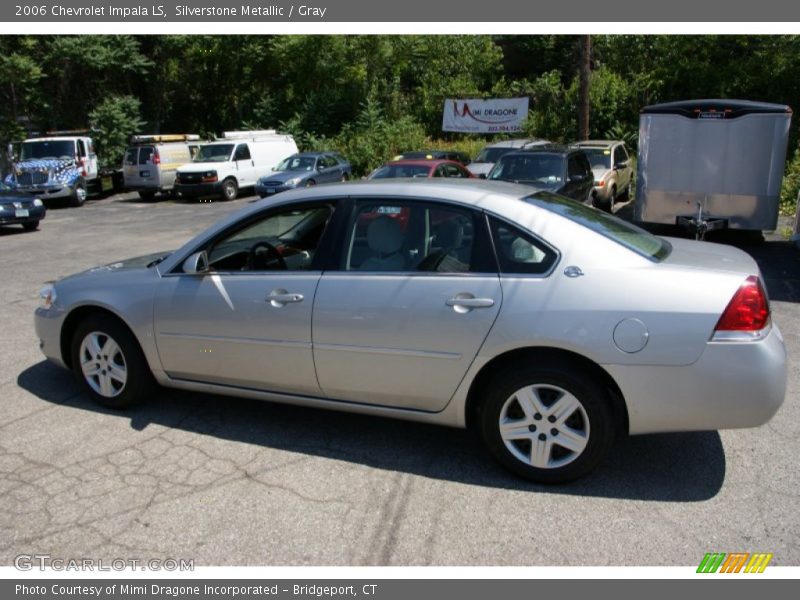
<point>491,155</point>
<point>213,153</point>
<point>297,163</point>
<point>48,149</point>
<point>547,169</point>
<point>390,171</point>
<point>600,158</point>
<point>632,237</point>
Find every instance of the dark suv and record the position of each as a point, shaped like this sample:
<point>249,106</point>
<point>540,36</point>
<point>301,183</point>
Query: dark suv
<point>555,168</point>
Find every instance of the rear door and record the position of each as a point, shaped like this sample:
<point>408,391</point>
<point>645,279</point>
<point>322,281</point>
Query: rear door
<point>130,167</point>
<point>401,319</point>
<point>148,168</point>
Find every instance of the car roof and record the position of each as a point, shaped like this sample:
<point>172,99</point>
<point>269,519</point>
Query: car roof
<point>315,153</point>
<point>555,149</point>
<point>597,143</point>
<point>434,162</point>
<point>516,143</point>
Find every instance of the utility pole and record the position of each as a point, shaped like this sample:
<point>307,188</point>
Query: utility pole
<point>585,70</point>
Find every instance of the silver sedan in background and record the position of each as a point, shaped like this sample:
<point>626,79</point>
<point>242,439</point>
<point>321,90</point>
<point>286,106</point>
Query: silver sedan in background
<point>547,326</point>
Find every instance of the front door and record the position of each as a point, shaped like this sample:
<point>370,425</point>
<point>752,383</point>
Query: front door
<point>401,320</point>
<point>247,321</point>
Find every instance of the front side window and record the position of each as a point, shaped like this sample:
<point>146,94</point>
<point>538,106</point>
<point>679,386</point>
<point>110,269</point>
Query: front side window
<point>413,237</point>
<point>242,152</point>
<point>283,240</point>
<point>519,252</point>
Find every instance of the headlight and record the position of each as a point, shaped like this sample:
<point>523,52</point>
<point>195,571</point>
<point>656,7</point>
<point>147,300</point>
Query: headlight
<point>293,181</point>
<point>47,295</point>
<point>37,202</point>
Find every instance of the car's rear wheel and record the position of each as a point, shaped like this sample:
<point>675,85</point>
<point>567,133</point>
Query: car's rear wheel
<point>547,423</point>
<point>230,189</point>
<point>147,195</point>
<point>109,364</point>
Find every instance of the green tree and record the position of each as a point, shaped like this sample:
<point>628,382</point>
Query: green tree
<point>113,122</point>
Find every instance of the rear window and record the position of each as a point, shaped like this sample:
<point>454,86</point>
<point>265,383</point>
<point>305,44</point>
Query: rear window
<point>632,237</point>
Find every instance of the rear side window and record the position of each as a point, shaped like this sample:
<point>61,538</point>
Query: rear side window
<point>130,156</point>
<point>626,234</point>
<point>518,252</point>
<point>146,155</point>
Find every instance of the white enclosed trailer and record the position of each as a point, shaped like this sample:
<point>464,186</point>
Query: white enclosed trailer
<point>711,164</point>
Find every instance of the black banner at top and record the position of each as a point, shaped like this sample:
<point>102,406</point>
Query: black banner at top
<point>454,11</point>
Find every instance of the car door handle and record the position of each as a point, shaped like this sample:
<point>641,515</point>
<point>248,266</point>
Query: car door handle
<point>280,298</point>
<point>469,303</point>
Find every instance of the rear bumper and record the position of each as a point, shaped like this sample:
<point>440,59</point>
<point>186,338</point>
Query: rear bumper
<point>732,385</point>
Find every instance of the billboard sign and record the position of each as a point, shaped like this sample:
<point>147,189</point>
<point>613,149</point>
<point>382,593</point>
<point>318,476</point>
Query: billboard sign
<point>499,115</point>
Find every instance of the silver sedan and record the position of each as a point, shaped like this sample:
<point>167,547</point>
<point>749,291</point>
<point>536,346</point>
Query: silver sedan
<point>547,326</point>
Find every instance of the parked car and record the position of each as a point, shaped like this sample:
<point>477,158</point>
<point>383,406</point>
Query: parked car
<point>420,168</point>
<point>612,169</point>
<point>485,160</point>
<point>20,208</point>
<point>546,325</point>
<point>302,170</point>
<point>236,160</point>
<point>459,157</point>
<point>151,162</point>
<point>558,169</point>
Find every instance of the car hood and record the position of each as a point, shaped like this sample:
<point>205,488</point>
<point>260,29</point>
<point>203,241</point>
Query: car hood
<point>128,264</point>
<point>480,168</point>
<point>201,167</point>
<point>42,164</point>
<point>284,176</point>
<point>600,172</point>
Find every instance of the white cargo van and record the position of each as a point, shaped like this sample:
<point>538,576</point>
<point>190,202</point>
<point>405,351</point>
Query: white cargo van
<point>151,161</point>
<point>232,162</point>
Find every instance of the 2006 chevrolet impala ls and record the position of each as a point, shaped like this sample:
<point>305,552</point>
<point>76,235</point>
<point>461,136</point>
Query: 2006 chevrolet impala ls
<point>546,325</point>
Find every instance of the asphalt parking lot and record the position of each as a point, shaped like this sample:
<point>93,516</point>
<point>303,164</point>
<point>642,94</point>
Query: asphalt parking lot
<point>226,481</point>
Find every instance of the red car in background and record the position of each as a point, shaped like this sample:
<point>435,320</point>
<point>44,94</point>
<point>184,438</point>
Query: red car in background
<point>421,168</point>
<point>411,168</point>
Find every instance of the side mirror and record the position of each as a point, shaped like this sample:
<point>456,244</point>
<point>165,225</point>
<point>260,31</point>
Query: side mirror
<point>196,264</point>
<point>482,176</point>
<point>621,165</point>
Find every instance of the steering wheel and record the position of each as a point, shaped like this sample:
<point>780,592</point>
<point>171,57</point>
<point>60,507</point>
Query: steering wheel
<point>257,261</point>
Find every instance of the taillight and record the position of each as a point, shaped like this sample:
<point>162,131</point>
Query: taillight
<point>156,158</point>
<point>748,310</point>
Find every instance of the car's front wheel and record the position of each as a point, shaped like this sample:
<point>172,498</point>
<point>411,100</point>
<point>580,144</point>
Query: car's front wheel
<point>230,189</point>
<point>109,364</point>
<point>78,196</point>
<point>547,423</point>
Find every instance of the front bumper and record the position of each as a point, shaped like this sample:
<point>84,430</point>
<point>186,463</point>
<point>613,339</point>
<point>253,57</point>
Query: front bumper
<point>46,192</point>
<point>732,385</point>
<point>269,190</point>
<point>194,190</point>
<point>47,323</point>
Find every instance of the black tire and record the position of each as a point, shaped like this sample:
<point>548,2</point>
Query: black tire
<point>625,196</point>
<point>78,196</point>
<point>230,189</point>
<point>593,420</point>
<point>147,195</point>
<point>31,226</point>
<point>311,183</point>
<point>139,383</point>
<point>345,177</point>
